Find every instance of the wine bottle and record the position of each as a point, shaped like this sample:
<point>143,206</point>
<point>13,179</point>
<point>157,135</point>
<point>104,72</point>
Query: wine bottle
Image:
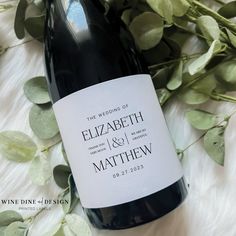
<point>122,158</point>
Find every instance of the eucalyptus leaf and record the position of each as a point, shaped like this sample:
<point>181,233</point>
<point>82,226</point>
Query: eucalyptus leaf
<point>180,7</point>
<point>228,10</point>
<point>35,26</point>
<point>60,232</point>
<point>43,122</point>
<point>8,217</point>
<point>16,229</point>
<point>161,77</point>
<point>200,63</point>
<point>163,7</point>
<point>232,38</point>
<point>163,95</point>
<point>40,170</point>
<point>176,78</point>
<point>40,5</point>
<point>61,174</point>
<point>147,30</point>
<point>69,196</point>
<point>78,225</point>
<point>205,85</point>
<point>192,97</point>
<point>214,144</point>
<point>36,90</point>
<point>200,119</point>
<point>174,47</point>
<point>17,146</point>
<point>19,26</point>
<point>126,16</point>
<point>2,229</point>
<point>226,71</point>
<point>209,27</point>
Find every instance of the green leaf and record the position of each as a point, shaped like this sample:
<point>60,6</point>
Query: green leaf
<point>226,71</point>
<point>163,95</point>
<point>16,229</point>
<point>205,85</point>
<point>17,146</point>
<point>8,217</point>
<point>69,196</point>
<point>161,77</point>
<point>61,174</point>
<point>174,46</point>
<point>232,38</point>
<point>209,27</point>
<point>40,170</point>
<point>19,26</point>
<point>36,90</point>
<point>147,30</point>
<point>43,122</point>
<point>192,97</point>
<point>60,232</point>
<point>200,63</point>
<point>176,78</point>
<point>228,10</point>
<point>5,7</point>
<point>78,225</point>
<point>2,229</point>
<point>180,7</point>
<point>40,5</point>
<point>200,119</point>
<point>35,26</point>
<point>163,7</point>
<point>126,16</point>
<point>214,144</point>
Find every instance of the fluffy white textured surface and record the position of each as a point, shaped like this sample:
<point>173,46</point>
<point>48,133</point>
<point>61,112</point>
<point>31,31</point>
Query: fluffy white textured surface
<point>210,208</point>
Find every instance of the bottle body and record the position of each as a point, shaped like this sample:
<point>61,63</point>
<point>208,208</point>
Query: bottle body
<point>122,158</point>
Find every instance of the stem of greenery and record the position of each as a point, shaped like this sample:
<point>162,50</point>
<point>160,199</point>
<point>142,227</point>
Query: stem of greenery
<point>223,97</point>
<point>207,11</point>
<point>183,57</point>
<point>226,119</point>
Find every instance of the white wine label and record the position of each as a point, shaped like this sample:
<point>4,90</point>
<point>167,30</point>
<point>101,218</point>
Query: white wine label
<point>117,141</point>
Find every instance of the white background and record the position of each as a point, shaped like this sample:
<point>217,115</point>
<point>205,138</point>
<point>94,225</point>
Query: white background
<point>210,208</point>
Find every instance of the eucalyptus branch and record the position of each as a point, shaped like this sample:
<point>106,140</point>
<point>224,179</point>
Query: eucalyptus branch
<point>204,10</point>
<point>20,44</point>
<point>226,119</point>
<point>30,219</point>
<point>223,97</point>
<point>183,57</point>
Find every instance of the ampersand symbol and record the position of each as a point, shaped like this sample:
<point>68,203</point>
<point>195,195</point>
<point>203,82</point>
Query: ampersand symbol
<point>117,142</point>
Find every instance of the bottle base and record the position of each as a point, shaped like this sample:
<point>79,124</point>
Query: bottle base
<point>140,211</point>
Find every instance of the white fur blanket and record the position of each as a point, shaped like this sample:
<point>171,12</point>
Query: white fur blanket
<point>210,208</point>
